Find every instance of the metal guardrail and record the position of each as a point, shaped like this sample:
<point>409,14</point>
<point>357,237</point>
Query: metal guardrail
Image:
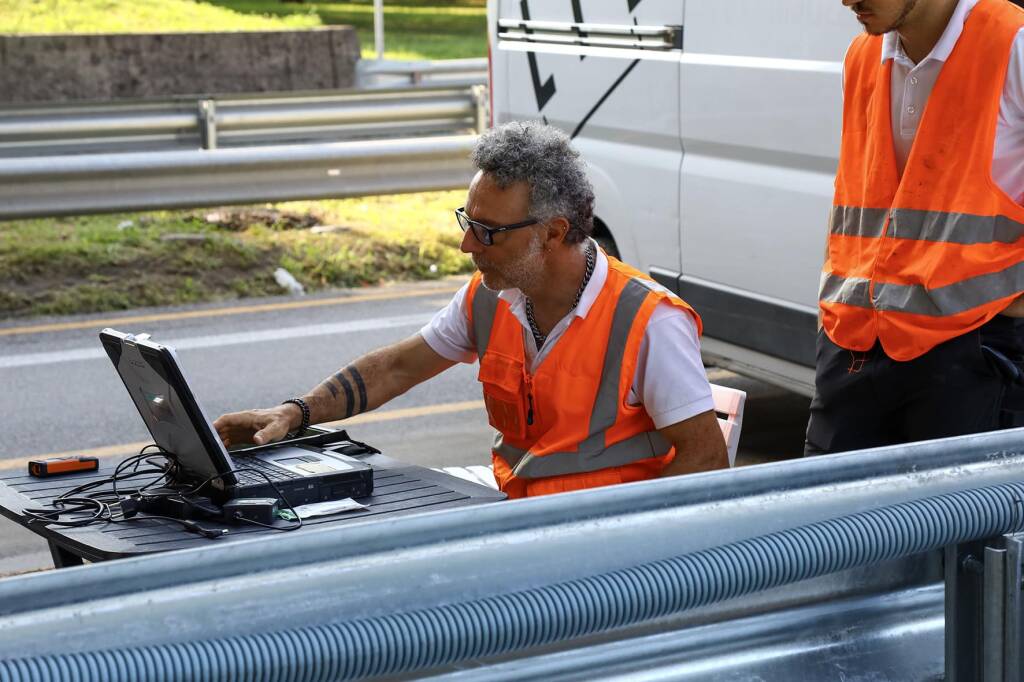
<point>341,575</point>
<point>240,121</point>
<point>101,183</point>
<point>180,153</point>
<point>444,72</point>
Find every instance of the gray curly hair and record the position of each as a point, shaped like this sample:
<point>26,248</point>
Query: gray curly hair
<point>541,156</point>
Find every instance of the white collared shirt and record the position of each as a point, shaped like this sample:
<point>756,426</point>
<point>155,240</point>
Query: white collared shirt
<point>670,379</point>
<point>913,83</point>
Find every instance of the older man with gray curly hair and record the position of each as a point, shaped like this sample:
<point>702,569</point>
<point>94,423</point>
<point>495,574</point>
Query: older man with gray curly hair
<point>591,372</point>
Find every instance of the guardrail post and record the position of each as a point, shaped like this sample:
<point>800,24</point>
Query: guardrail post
<point>378,28</point>
<point>482,99</point>
<point>993,614</point>
<point>1013,629</point>
<point>963,577</point>
<point>208,123</point>
<point>983,610</point>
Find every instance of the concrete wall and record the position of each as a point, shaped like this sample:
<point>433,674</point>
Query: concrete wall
<point>54,68</point>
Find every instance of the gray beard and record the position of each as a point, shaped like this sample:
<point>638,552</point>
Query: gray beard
<point>521,273</point>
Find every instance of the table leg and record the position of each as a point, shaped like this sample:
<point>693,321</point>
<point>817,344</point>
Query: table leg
<point>62,558</point>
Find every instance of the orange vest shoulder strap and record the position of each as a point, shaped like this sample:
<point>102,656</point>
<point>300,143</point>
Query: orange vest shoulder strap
<point>660,293</point>
<point>482,305</point>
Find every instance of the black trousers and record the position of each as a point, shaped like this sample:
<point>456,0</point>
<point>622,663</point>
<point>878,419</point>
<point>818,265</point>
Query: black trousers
<point>965,385</point>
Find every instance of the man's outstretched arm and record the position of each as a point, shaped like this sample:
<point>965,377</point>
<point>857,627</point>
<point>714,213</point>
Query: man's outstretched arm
<point>365,384</point>
<point>699,443</point>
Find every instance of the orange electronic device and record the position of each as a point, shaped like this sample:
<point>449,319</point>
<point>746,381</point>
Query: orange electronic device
<point>41,468</point>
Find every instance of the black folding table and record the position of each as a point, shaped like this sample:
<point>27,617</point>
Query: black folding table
<point>398,489</point>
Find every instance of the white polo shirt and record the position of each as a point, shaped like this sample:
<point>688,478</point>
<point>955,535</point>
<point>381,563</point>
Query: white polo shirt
<point>670,380</point>
<point>912,84</point>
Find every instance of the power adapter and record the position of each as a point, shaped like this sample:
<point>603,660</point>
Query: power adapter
<point>256,509</point>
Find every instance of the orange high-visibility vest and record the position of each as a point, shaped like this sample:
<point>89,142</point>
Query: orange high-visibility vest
<point>918,260</point>
<point>568,426</point>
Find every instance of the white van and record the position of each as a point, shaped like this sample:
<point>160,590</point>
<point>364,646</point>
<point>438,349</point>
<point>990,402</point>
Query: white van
<point>711,129</point>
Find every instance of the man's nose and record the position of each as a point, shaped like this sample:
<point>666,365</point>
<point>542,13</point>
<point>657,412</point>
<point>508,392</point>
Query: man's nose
<point>470,244</point>
<point>851,3</point>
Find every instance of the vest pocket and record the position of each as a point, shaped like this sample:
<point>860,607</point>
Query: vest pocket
<point>502,379</point>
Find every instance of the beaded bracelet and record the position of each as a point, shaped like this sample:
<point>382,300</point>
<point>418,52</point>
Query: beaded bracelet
<point>305,412</point>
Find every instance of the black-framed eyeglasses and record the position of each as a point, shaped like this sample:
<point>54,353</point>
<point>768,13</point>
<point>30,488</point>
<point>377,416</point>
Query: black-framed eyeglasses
<point>485,233</point>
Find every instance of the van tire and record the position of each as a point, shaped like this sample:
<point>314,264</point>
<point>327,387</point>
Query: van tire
<point>604,239</point>
<point>608,244</point>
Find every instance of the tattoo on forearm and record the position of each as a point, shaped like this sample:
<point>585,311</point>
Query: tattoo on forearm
<point>350,398</point>
<point>360,385</point>
<point>330,387</point>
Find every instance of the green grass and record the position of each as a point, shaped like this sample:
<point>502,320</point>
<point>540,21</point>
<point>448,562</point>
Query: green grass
<point>414,29</point>
<point>82,264</point>
<point>117,262</point>
<point>136,16</point>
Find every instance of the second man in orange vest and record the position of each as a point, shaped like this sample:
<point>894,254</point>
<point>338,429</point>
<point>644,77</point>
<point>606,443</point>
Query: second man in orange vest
<point>920,292</point>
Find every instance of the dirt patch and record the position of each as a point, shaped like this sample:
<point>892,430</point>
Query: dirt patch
<point>239,219</point>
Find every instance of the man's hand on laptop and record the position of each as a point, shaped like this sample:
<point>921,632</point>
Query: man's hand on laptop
<point>258,426</point>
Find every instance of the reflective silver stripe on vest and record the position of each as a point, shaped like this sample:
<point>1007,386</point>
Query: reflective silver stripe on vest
<point>916,299</point>
<point>524,464</point>
<point>954,228</point>
<point>853,221</point>
<point>606,404</point>
<point>850,291</point>
<point>931,226</point>
<point>485,307</point>
<point>592,453</point>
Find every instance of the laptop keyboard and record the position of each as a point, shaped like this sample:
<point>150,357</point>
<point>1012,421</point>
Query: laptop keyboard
<point>251,477</point>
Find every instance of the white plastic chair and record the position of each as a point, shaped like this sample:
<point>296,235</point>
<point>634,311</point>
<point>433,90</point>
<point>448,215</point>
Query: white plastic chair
<point>479,474</point>
<point>729,409</point>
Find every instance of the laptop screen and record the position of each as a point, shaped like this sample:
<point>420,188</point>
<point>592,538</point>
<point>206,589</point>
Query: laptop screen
<point>175,419</point>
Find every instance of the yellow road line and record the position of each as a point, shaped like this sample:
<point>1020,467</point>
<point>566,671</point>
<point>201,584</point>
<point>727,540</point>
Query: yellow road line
<point>125,449</point>
<point>408,413</point>
<point>215,312</point>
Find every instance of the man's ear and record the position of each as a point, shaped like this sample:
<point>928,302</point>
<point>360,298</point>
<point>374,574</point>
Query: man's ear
<point>557,228</point>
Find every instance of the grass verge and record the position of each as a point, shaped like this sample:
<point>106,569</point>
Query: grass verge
<point>118,262</point>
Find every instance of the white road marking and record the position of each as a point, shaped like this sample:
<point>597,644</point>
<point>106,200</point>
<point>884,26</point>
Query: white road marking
<point>220,340</point>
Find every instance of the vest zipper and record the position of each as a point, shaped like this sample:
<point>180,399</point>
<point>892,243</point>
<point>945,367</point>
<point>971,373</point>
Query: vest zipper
<point>528,380</point>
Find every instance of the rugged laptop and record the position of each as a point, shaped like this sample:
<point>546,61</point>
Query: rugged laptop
<point>306,469</point>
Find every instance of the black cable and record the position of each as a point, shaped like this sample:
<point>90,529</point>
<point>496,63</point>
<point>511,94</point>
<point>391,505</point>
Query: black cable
<point>92,502</point>
<point>134,460</point>
<point>188,524</point>
<point>46,516</point>
<point>102,502</point>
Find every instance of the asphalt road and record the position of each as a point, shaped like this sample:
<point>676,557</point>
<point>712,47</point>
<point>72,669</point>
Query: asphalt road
<point>61,394</point>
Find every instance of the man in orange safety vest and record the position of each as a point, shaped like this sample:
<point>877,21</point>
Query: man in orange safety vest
<point>591,372</point>
<point>921,289</point>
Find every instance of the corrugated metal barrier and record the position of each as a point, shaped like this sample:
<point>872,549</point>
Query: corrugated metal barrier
<point>285,596</point>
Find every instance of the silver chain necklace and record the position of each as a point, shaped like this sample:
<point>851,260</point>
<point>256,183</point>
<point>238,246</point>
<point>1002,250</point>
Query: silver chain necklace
<point>539,338</point>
